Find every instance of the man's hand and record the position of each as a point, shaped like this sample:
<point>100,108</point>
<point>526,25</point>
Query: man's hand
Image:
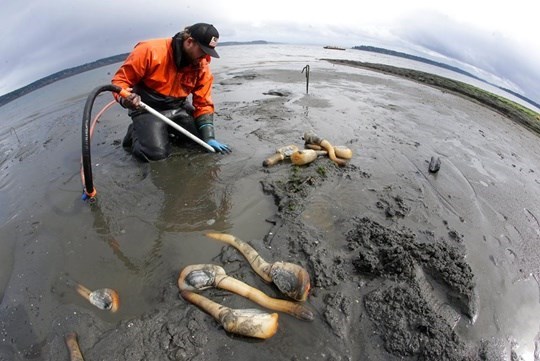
<point>219,147</point>
<point>133,101</point>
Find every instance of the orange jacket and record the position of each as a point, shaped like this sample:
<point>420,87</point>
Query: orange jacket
<point>151,63</point>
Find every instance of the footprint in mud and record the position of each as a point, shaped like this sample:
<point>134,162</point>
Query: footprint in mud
<point>393,206</point>
<point>338,312</point>
<point>425,288</point>
<point>399,209</point>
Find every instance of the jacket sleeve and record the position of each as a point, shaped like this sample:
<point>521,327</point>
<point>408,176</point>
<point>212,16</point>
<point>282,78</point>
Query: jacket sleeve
<point>133,69</point>
<point>202,94</point>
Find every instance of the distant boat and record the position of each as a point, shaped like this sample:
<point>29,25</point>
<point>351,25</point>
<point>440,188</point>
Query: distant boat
<point>334,47</point>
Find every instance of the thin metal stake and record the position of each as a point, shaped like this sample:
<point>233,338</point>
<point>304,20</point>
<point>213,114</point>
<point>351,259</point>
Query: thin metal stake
<point>14,131</point>
<point>306,68</point>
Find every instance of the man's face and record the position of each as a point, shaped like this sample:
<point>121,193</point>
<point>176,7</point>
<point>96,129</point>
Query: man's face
<point>193,50</point>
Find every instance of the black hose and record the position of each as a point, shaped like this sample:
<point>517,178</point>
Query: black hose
<point>86,125</point>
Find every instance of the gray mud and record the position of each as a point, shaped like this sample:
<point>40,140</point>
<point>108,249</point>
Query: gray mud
<point>404,264</point>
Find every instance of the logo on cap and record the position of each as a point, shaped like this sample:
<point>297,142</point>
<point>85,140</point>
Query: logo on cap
<point>206,35</point>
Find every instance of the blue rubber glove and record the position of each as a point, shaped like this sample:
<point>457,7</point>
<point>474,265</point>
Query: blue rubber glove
<point>219,147</point>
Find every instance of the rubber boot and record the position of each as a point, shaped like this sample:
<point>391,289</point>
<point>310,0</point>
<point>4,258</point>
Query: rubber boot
<point>128,138</point>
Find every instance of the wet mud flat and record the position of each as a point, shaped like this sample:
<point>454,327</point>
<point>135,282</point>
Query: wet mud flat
<point>392,250</point>
<point>378,293</point>
<point>509,109</point>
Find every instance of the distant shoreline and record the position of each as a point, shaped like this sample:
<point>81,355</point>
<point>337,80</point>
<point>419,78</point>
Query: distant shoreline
<point>508,108</point>
<point>444,66</point>
<point>63,74</point>
<point>66,73</point>
<point>504,106</point>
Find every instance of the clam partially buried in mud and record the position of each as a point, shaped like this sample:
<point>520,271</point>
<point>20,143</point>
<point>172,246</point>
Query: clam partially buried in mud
<point>104,298</point>
<point>73,347</point>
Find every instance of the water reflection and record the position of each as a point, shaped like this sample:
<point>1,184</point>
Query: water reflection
<point>102,227</point>
<point>173,199</point>
<point>194,197</point>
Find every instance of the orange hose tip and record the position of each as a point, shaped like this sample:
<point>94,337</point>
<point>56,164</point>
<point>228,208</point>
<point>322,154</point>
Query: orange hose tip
<point>91,195</point>
<point>124,93</point>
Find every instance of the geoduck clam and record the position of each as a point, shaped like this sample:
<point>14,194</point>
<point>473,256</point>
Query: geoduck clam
<point>202,276</point>
<point>281,154</point>
<point>311,138</point>
<point>245,322</point>
<point>103,298</point>
<point>291,279</point>
<point>73,347</point>
<point>304,156</point>
<point>341,151</point>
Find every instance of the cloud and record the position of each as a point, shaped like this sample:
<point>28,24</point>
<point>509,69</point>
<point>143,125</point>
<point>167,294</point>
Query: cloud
<point>34,45</point>
<point>498,41</point>
<point>490,52</point>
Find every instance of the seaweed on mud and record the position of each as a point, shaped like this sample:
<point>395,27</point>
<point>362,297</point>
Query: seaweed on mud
<point>289,193</point>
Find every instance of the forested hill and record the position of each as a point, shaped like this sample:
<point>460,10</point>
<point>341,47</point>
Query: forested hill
<point>442,65</point>
<point>66,73</point>
<point>6,98</point>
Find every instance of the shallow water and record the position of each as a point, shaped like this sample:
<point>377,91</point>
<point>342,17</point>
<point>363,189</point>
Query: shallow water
<point>150,219</point>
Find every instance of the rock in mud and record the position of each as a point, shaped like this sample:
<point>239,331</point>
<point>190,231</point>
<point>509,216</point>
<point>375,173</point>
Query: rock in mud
<point>434,164</point>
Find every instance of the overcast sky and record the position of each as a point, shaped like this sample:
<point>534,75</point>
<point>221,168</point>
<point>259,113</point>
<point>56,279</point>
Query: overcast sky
<point>497,39</point>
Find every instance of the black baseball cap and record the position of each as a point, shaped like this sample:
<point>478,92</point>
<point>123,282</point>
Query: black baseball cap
<point>206,36</point>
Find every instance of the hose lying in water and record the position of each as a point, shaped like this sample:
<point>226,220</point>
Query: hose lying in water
<point>89,192</point>
<point>291,279</point>
<point>86,196</point>
<point>202,276</point>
